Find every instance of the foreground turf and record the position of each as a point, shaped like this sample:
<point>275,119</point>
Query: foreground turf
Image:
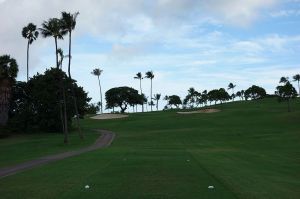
<point>23,147</point>
<point>248,150</point>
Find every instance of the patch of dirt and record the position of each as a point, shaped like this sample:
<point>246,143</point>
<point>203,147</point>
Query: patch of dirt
<point>210,110</point>
<point>107,116</point>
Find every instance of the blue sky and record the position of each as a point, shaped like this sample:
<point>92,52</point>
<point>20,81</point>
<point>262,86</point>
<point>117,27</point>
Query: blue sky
<point>187,43</point>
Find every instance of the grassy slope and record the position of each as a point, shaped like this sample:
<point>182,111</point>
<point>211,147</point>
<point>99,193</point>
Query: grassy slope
<point>249,150</point>
<point>20,148</point>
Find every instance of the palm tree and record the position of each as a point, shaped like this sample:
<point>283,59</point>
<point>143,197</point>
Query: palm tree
<point>231,86</point>
<point>239,94</point>
<point>157,98</point>
<point>297,78</point>
<point>53,28</point>
<point>8,73</point>
<point>283,80</point>
<point>97,72</point>
<point>30,33</point>
<point>60,53</point>
<point>68,21</point>
<point>150,76</point>
<point>139,76</point>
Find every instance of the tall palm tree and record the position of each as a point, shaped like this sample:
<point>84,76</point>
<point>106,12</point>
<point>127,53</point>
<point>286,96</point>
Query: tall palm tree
<point>140,77</point>
<point>297,78</point>
<point>150,76</point>
<point>8,73</point>
<point>97,72</point>
<point>232,86</point>
<point>30,33</point>
<point>68,21</point>
<point>53,28</point>
<point>157,98</point>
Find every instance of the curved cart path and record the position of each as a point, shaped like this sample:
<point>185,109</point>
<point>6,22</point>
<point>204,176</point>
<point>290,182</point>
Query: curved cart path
<point>103,141</point>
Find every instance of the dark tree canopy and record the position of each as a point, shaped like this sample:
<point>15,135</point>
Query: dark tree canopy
<point>122,97</point>
<point>173,100</point>
<point>36,103</point>
<point>8,73</point>
<point>286,92</point>
<point>255,92</point>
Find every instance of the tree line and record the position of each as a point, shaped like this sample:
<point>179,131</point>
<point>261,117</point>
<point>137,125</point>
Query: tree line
<point>49,101</point>
<point>65,98</point>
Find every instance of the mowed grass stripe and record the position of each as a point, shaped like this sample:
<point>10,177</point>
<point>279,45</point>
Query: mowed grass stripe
<point>249,150</point>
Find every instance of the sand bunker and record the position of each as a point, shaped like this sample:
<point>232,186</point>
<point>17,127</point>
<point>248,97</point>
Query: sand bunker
<point>107,116</point>
<point>201,111</point>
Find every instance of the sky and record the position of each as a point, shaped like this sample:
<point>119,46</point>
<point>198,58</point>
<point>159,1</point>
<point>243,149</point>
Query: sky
<point>186,43</point>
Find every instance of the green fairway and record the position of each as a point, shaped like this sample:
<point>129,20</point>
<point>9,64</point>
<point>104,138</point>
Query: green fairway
<point>249,150</point>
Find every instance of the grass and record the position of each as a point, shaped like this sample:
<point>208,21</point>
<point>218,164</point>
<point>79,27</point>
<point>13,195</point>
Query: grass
<point>20,148</point>
<point>249,150</point>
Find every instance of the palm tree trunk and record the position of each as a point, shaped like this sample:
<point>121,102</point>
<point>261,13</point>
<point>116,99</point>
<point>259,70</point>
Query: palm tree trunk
<point>151,96</point>
<point>28,60</point>
<point>157,105</point>
<point>77,113</point>
<point>69,64</point>
<point>72,89</point>
<point>61,116</point>
<point>298,88</point>
<point>141,94</point>
<point>100,95</point>
<point>66,139</point>
<point>57,65</point>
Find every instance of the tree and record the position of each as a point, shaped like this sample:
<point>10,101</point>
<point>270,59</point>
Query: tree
<point>231,86</point>
<point>286,93</point>
<point>283,80</point>
<point>30,33</point>
<point>240,94</point>
<point>213,95</point>
<point>68,24</point>
<point>222,95</point>
<point>204,97</point>
<point>122,97</point>
<point>53,28</point>
<point>97,72</point>
<point>8,73</point>
<point>60,53</point>
<point>174,100</point>
<point>150,76</point>
<point>297,78</point>
<point>139,77</point>
<point>34,104</point>
<point>157,98</point>
<point>255,92</point>
<point>191,98</point>
<point>92,108</point>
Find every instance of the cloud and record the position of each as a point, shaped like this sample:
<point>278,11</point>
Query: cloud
<point>236,12</point>
<point>185,42</point>
<point>285,13</point>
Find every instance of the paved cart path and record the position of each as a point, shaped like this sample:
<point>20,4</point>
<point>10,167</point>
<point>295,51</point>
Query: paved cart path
<point>103,141</point>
